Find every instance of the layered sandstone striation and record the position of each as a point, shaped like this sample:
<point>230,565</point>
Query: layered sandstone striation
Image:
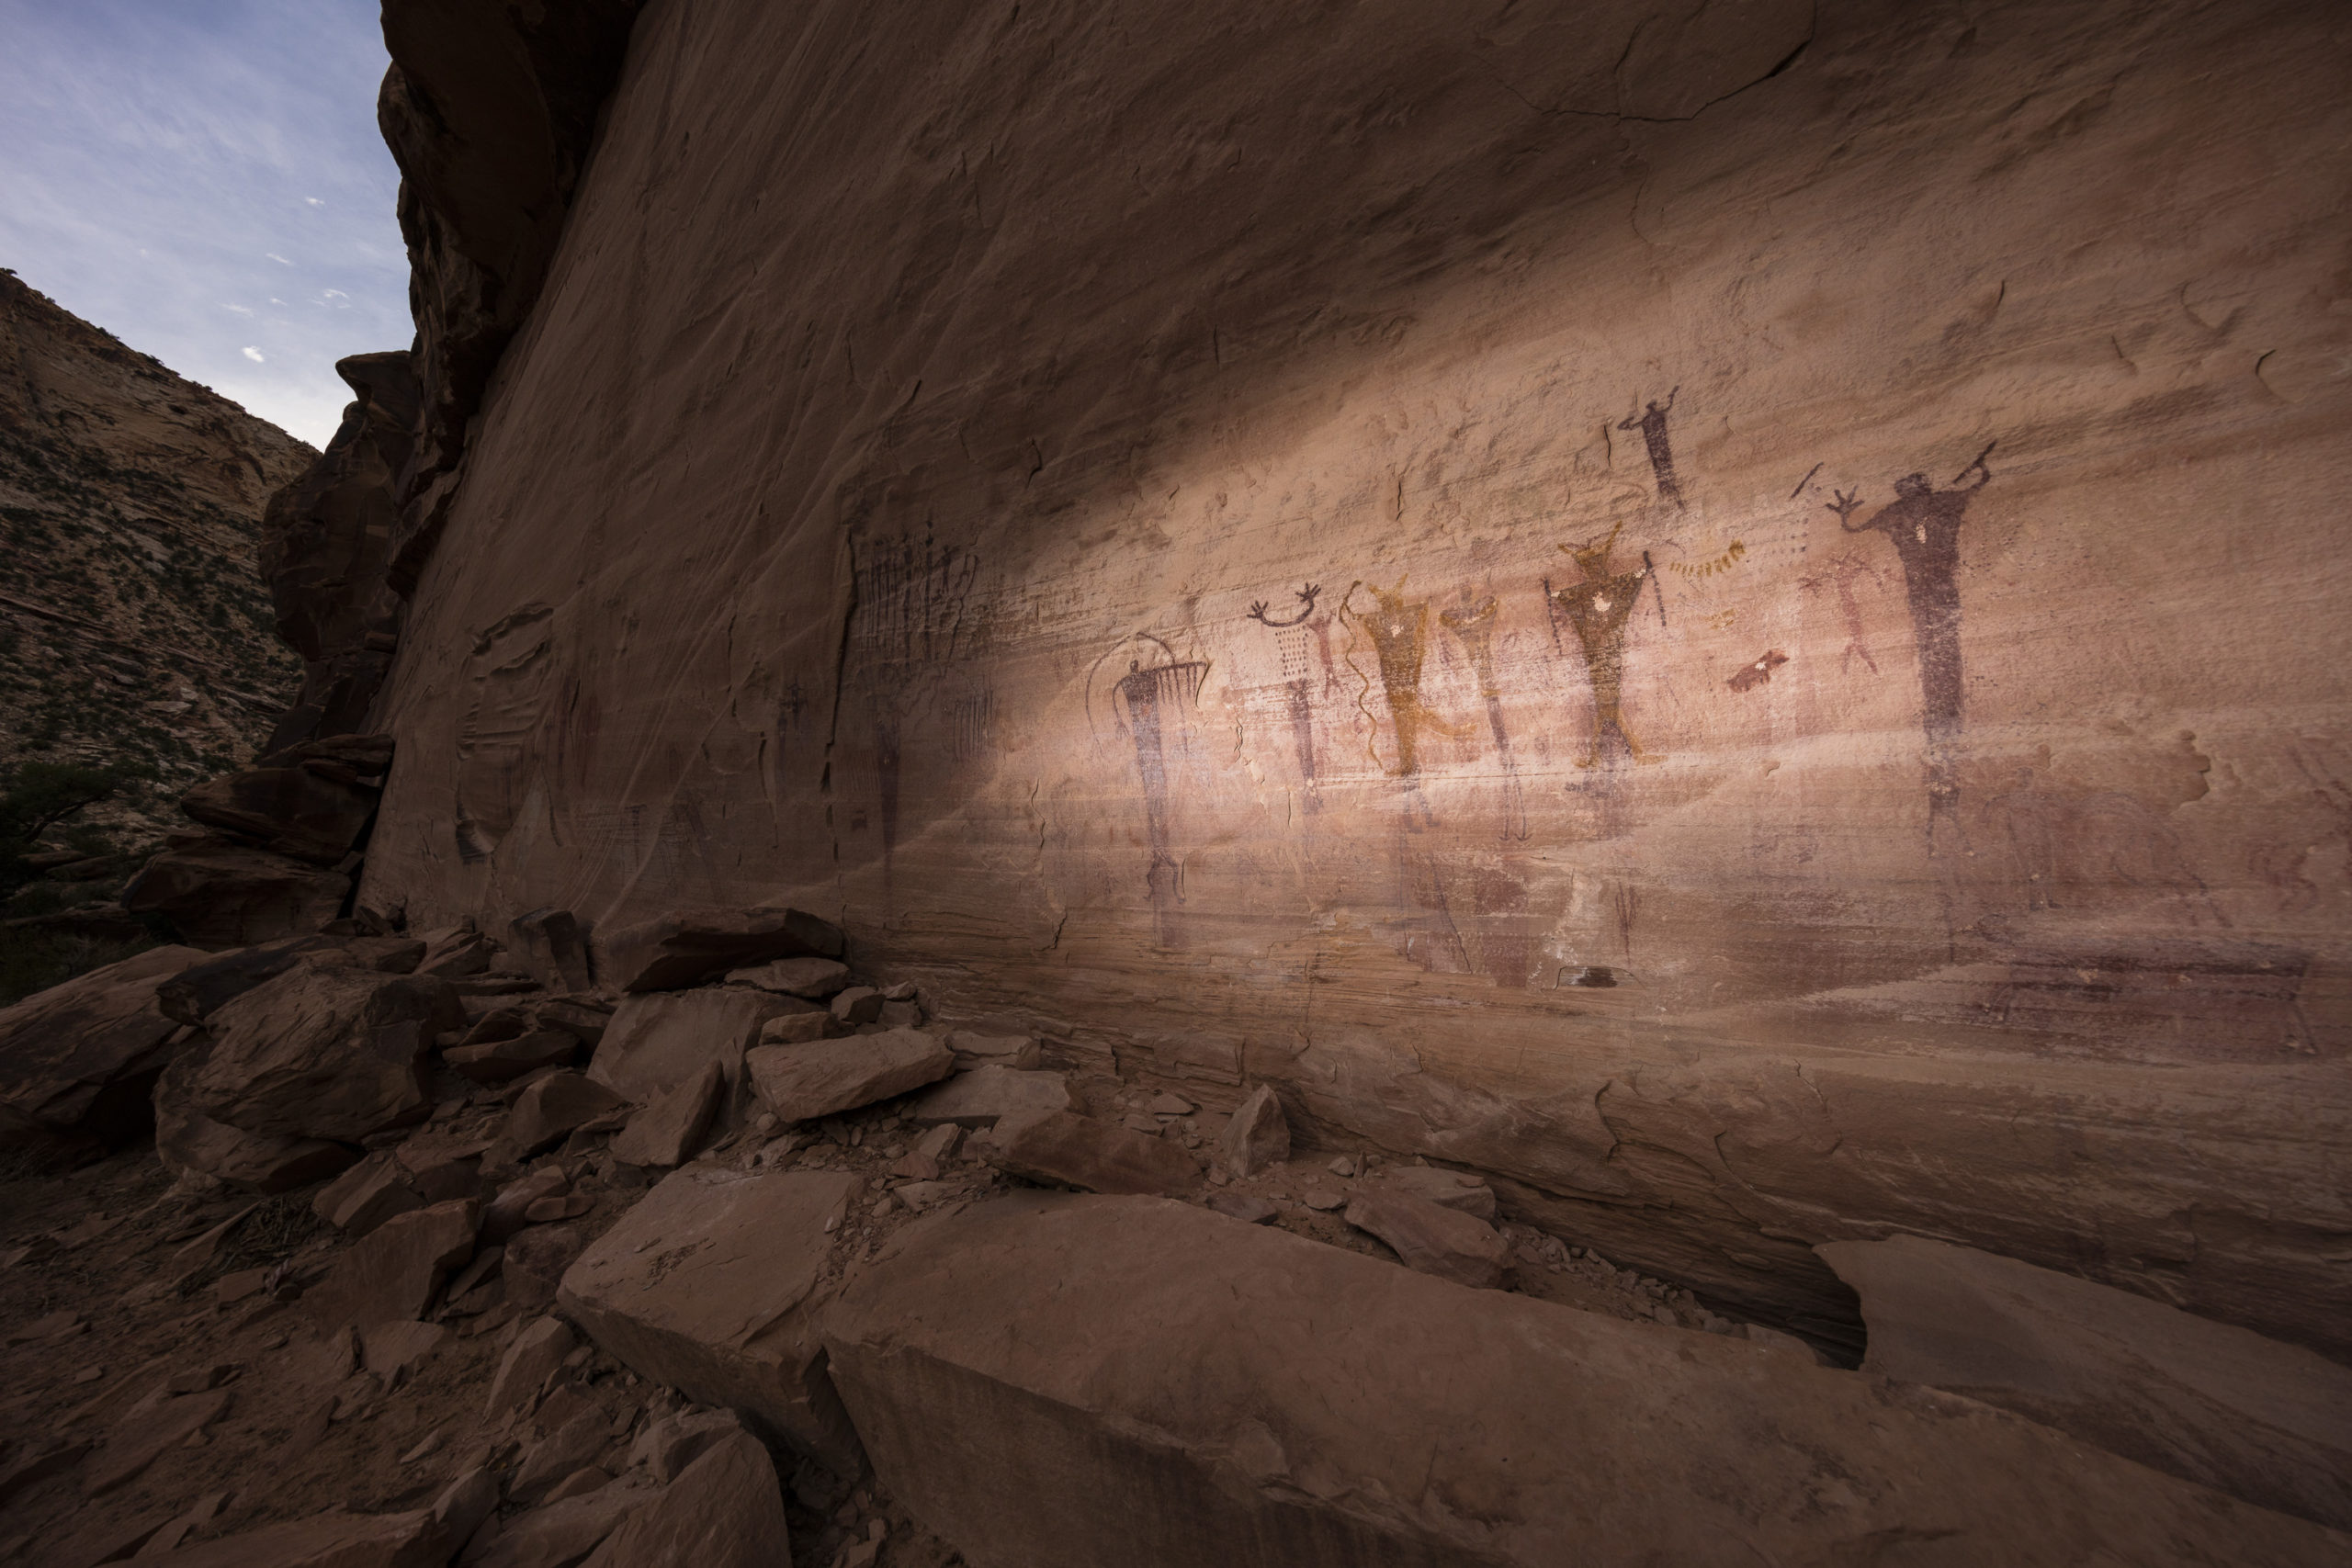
<point>1719,615</point>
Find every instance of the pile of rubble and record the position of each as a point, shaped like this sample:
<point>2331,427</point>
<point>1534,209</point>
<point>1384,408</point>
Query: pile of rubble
<point>683,1244</point>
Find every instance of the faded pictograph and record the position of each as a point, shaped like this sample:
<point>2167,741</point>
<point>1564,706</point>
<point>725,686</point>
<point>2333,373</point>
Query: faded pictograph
<point>1598,608</point>
<point>1651,423</point>
<point>1923,522</point>
<point>1151,701</point>
<point>1473,625</point>
<point>1840,572</point>
<point>907,623</point>
<point>1291,642</point>
<point>1398,630</point>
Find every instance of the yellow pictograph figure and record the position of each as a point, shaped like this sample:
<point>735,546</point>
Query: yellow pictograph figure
<point>1399,634</point>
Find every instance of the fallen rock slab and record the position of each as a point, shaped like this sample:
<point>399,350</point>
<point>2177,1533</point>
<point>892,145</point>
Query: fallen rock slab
<point>1183,1390</point>
<point>708,1286</point>
<point>222,894</point>
<point>152,1426</point>
<point>413,1540</point>
<point>502,1061</point>
<point>189,1141</point>
<point>682,949</point>
<point>393,1273</point>
<point>656,1043</point>
<point>552,1108</point>
<point>367,1195</point>
<point>813,979</point>
<point>1450,1189</point>
<point>195,993</point>
<point>824,1078</point>
<point>1078,1151</point>
<point>1433,1238</point>
<point>986,1096</point>
<point>558,1535</point>
<point>290,811</point>
<point>553,946</point>
<point>666,1132</point>
<point>535,1262</point>
<point>2208,1401</point>
<point>325,1052</point>
<point>78,1062</point>
<point>1258,1135</point>
<point>537,1350</point>
<point>1019,1052</point>
<point>725,1510</point>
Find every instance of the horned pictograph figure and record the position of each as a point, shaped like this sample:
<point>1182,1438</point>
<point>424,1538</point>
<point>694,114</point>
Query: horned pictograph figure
<point>1399,634</point>
<point>1923,523</point>
<point>1290,639</point>
<point>1598,607</point>
<point>1651,423</point>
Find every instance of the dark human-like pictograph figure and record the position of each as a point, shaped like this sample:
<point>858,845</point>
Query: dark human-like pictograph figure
<point>1599,608</point>
<point>1923,522</point>
<point>1298,681</point>
<point>1651,423</point>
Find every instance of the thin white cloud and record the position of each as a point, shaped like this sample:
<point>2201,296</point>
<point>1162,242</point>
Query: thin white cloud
<point>253,353</point>
<point>241,309</point>
<point>315,201</point>
<point>333,294</point>
<point>278,259</point>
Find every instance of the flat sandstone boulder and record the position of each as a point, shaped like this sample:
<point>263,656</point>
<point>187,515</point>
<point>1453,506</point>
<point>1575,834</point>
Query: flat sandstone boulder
<point>1184,1389</point>
<point>78,1061</point>
<point>1078,1151</point>
<point>708,1286</point>
<point>325,1051</point>
<point>824,1078</point>
<point>393,1274</point>
<point>2209,1401</point>
<point>986,1096</point>
<point>1433,1238</point>
<point>656,1043</point>
<point>725,1510</point>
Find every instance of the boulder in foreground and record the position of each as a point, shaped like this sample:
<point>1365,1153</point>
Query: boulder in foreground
<point>824,1078</point>
<point>78,1061</point>
<point>708,1285</point>
<point>1078,1151</point>
<point>325,1051</point>
<point>413,1540</point>
<point>1433,1238</point>
<point>725,1510</point>
<point>222,894</point>
<point>2209,1401</point>
<point>656,1043</point>
<point>1184,1389</point>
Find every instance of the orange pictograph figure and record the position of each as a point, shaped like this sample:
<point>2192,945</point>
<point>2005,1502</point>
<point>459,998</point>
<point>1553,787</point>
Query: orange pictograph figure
<point>1840,574</point>
<point>1399,634</point>
<point>1599,608</point>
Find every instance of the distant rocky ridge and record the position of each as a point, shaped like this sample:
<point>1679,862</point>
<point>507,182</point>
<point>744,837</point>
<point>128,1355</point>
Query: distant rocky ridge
<point>133,622</point>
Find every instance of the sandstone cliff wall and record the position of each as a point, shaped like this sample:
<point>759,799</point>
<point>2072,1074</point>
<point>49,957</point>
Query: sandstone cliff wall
<point>1726,611</point>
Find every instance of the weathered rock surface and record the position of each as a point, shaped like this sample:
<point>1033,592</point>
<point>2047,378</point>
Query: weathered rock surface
<point>2001,834</point>
<point>325,1052</point>
<point>502,1061</point>
<point>550,1108</point>
<point>195,993</point>
<point>1183,1390</point>
<point>78,1062</point>
<point>393,1273</point>
<point>552,946</point>
<point>1019,1052</point>
<point>1257,1136</point>
<point>724,1511</point>
<point>537,1350</point>
<point>710,1285</point>
<point>1431,1238</point>
<point>560,1534</point>
<point>986,1096</point>
<point>655,1042</point>
<point>800,1083</point>
<point>666,1132</point>
<point>222,894</point>
<point>287,810</point>
<point>413,1540</point>
<point>2267,1422</point>
<point>368,1194</point>
<point>677,950</point>
<point>189,1142</point>
<point>535,1262</point>
<point>1078,1151</point>
<point>1451,1188</point>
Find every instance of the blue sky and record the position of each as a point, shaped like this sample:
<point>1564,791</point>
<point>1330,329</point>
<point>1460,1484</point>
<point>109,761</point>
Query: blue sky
<point>203,178</point>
